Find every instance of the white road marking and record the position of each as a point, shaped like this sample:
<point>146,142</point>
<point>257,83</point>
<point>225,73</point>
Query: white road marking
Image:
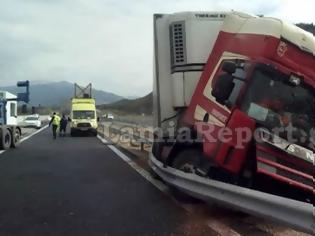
<point>29,136</point>
<point>215,225</point>
<point>162,187</point>
<point>36,132</point>
<point>103,140</point>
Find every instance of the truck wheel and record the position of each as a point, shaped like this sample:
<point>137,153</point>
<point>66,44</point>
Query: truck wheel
<point>186,161</point>
<point>6,139</point>
<point>16,139</point>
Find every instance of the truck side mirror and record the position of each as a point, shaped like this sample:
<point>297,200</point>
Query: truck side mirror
<point>98,119</point>
<point>223,88</point>
<point>229,67</point>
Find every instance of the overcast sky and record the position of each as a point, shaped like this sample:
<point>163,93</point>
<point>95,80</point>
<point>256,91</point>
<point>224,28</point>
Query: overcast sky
<point>106,42</point>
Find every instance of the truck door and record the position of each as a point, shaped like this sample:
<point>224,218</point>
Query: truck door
<point>233,151</point>
<point>229,151</point>
<point>11,113</point>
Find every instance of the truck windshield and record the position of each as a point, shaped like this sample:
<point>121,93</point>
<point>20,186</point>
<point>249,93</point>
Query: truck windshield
<point>276,104</point>
<point>83,114</point>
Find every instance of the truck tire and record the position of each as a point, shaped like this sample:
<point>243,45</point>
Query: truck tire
<point>94,132</point>
<point>16,138</point>
<point>6,140</point>
<point>186,161</point>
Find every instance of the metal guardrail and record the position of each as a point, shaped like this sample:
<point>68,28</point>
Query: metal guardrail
<point>295,214</point>
<point>124,129</point>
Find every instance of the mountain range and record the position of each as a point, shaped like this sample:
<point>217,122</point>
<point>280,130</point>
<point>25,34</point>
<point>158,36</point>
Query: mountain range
<point>143,105</point>
<point>60,93</point>
<point>308,27</point>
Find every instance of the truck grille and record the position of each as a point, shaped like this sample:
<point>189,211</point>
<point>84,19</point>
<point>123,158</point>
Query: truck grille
<point>84,125</point>
<point>288,168</point>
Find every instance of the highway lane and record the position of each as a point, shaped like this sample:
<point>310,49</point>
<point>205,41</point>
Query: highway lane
<point>78,186</point>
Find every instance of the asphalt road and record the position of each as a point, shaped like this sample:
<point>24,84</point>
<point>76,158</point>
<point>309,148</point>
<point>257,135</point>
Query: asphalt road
<point>78,186</point>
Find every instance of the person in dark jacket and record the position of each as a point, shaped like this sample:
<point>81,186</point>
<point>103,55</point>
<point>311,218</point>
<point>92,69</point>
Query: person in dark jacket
<point>63,125</point>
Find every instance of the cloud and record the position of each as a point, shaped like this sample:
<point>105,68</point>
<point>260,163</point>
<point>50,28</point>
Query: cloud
<point>108,43</point>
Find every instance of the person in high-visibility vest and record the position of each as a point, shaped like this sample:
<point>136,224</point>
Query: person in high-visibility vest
<point>55,122</point>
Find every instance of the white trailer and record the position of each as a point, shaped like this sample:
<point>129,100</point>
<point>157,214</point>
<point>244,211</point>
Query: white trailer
<point>182,44</point>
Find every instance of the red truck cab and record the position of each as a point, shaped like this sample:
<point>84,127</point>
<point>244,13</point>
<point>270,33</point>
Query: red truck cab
<point>253,106</point>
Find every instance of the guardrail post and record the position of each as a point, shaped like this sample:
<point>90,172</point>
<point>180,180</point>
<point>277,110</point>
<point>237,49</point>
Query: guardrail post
<point>142,146</point>
<point>130,140</point>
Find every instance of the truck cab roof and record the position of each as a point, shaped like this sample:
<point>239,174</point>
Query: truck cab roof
<point>240,23</point>
<point>87,104</point>
<point>6,95</point>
